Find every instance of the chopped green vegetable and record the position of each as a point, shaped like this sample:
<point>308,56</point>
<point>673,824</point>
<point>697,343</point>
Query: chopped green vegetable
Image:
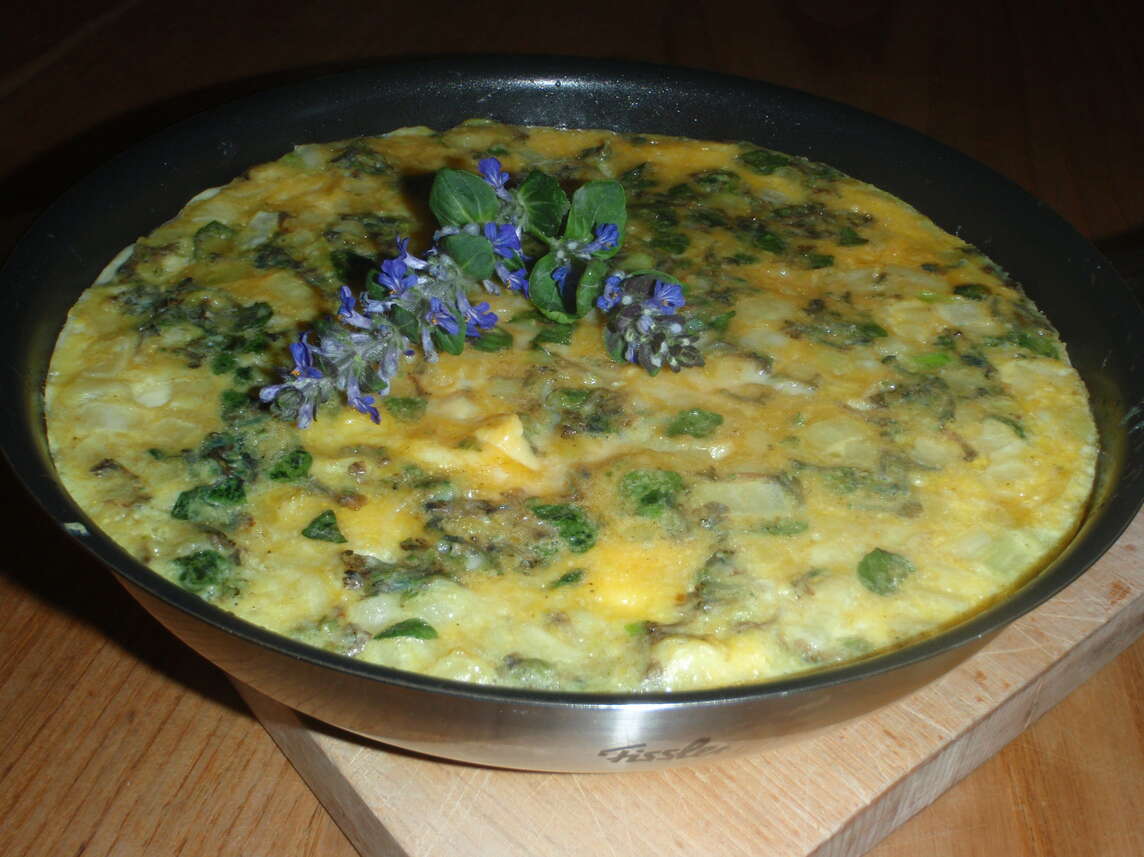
<point>272,256</point>
<point>569,397</point>
<point>882,572</point>
<point>847,237</point>
<point>972,291</point>
<point>291,465</point>
<point>764,161</point>
<point>324,528</point>
<point>638,178</point>
<point>585,410</point>
<point>497,339</point>
<point>212,240</point>
<point>755,234</point>
<point>531,672</point>
<point>931,360</point>
<point>408,409</point>
<point>1015,424</point>
<point>569,578</point>
<point>201,570</point>
<point>650,493</point>
<point>223,363</point>
<point>554,334</point>
<point>830,327</point>
<point>210,505</point>
<point>572,523</point>
<point>671,242</point>
<point>784,527</point>
<point>417,628</point>
<point>695,422</point>
<point>359,157</point>
<point>1035,341</point>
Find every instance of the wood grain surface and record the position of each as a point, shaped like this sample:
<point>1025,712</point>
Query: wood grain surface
<point>116,740</point>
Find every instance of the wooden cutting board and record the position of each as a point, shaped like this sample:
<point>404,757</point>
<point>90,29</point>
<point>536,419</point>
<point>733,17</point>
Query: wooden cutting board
<point>833,794</point>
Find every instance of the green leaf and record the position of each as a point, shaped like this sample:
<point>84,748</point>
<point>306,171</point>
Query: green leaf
<point>571,522</point>
<point>544,292</point>
<point>472,253</point>
<point>497,339</point>
<point>458,198</point>
<point>202,569</point>
<point>819,260</point>
<point>695,422</point>
<point>650,493</point>
<point>544,204</point>
<point>291,465</point>
<point>594,204</point>
<point>553,334</point>
<point>882,572</point>
<point>210,505</point>
<point>406,323</point>
<point>324,528</point>
<point>417,628</point>
<point>408,409</point>
<point>450,343</point>
<point>590,287</point>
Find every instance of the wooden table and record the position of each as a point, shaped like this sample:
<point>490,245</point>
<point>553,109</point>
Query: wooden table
<point>117,740</point>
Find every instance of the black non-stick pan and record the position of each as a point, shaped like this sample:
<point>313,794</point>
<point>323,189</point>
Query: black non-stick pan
<point>71,242</point>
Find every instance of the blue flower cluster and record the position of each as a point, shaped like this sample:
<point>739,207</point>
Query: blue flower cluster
<point>643,326</point>
<point>410,301</point>
<point>415,302</point>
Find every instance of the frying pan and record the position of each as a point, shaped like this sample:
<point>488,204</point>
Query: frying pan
<point>1079,291</point>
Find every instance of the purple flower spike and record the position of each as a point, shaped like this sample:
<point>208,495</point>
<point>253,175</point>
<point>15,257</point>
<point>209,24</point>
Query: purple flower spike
<point>515,279</point>
<point>396,276</point>
<point>560,274</point>
<point>408,258</point>
<point>305,386</point>
<point>365,405</point>
<point>607,237</point>
<point>303,355</point>
<point>477,318</point>
<point>505,238</point>
<point>610,298</point>
<point>347,311</point>
<point>666,297</point>
<point>491,172</point>
<point>440,317</point>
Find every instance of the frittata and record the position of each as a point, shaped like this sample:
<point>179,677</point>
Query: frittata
<point>884,435</point>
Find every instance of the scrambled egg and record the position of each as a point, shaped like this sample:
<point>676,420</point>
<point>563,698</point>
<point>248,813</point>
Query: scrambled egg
<point>886,434</point>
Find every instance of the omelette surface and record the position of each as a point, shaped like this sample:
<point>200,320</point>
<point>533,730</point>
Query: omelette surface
<point>885,437</point>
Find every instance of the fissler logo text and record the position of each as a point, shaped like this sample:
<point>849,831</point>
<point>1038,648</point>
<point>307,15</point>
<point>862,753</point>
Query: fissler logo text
<point>640,753</point>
